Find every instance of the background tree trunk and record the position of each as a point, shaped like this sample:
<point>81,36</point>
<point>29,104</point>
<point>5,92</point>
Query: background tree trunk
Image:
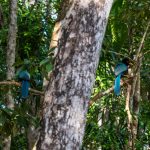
<point>10,60</point>
<point>132,108</point>
<point>11,46</point>
<point>68,92</point>
<point>136,99</point>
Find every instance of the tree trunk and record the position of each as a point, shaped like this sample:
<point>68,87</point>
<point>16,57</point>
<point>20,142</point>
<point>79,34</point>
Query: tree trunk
<point>67,95</point>
<point>136,99</point>
<point>129,116</point>
<point>132,105</point>
<point>10,60</point>
<point>11,46</point>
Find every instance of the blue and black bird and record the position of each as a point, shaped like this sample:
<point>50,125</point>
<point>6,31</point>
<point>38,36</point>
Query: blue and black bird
<point>120,69</point>
<point>24,76</point>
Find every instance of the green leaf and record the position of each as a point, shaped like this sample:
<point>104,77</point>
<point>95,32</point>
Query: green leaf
<point>44,61</point>
<point>49,67</point>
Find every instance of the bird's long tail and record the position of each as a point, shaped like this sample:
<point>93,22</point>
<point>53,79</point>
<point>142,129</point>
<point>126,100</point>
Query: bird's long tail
<point>25,88</point>
<point>117,85</point>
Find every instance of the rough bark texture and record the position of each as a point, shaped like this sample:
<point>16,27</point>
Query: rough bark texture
<point>32,135</point>
<point>10,60</point>
<point>132,108</point>
<point>132,103</point>
<point>129,116</point>
<point>136,99</point>
<point>11,46</point>
<point>68,92</point>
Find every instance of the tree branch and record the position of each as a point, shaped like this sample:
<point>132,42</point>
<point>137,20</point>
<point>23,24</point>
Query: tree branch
<point>108,91</point>
<point>36,92</point>
<point>143,39</point>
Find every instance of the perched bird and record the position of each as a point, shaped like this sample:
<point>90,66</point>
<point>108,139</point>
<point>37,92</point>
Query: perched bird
<point>119,71</point>
<point>24,76</point>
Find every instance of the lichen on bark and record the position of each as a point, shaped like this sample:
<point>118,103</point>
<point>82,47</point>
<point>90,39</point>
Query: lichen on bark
<point>69,90</point>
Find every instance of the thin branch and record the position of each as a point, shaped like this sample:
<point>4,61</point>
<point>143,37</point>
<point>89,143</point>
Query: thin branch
<point>121,55</point>
<point>36,92</point>
<point>143,39</point>
<point>108,91</point>
<point>145,53</point>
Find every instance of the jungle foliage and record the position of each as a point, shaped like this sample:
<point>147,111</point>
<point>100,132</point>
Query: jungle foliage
<point>107,118</point>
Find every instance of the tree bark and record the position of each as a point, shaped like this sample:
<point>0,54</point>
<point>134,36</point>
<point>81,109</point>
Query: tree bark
<point>68,92</point>
<point>10,60</point>
<point>136,99</point>
<point>129,116</point>
<point>132,105</point>
<point>11,46</point>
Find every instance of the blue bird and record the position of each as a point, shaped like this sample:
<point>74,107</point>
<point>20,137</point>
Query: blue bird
<point>24,76</point>
<point>119,71</point>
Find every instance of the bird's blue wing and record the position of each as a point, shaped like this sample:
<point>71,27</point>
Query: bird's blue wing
<point>25,77</point>
<point>25,88</point>
<point>120,68</point>
<point>117,85</point>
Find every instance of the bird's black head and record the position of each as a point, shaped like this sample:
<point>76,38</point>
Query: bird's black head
<point>126,61</point>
